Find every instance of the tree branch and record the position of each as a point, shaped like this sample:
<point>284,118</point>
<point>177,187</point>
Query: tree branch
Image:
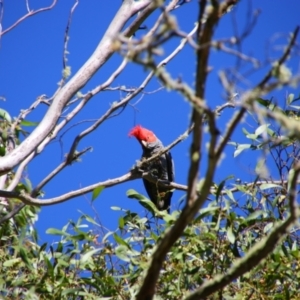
<point>283,58</point>
<point>147,289</point>
<point>29,14</point>
<point>124,101</point>
<point>78,81</point>
<point>135,173</point>
<point>59,168</point>
<point>66,36</point>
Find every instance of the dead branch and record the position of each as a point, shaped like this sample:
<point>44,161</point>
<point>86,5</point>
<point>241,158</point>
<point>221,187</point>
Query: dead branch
<point>29,14</point>
<point>66,36</point>
<point>64,95</point>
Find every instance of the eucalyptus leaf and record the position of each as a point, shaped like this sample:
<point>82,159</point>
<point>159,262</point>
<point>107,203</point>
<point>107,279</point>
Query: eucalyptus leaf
<point>97,191</point>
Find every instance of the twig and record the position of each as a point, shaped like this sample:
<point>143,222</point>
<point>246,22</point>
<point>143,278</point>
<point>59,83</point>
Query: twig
<point>27,5</point>
<point>124,101</point>
<point>27,199</point>
<point>51,175</point>
<point>66,37</point>
<point>25,112</point>
<point>99,57</point>
<point>172,5</point>
<point>135,173</point>
<point>142,16</point>
<point>29,14</point>
<point>283,58</point>
<point>12,213</point>
<point>240,55</point>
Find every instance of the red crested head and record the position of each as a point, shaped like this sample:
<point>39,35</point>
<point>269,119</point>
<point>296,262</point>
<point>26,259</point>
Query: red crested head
<point>143,134</point>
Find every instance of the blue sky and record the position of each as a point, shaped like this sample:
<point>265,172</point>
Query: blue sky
<point>31,65</point>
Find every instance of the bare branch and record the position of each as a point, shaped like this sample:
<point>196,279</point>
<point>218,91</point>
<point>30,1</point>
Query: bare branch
<point>66,37</point>
<point>171,6</point>
<point>220,46</point>
<point>59,168</point>
<point>29,14</point>
<point>25,112</point>
<point>12,213</point>
<point>135,173</point>
<point>63,96</point>
<point>27,199</point>
<point>124,101</point>
<point>143,15</point>
<point>283,58</point>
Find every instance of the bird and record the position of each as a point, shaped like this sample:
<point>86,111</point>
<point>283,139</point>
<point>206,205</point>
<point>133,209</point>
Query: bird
<point>162,167</point>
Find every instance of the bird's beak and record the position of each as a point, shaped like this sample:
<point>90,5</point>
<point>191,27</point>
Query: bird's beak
<point>144,143</point>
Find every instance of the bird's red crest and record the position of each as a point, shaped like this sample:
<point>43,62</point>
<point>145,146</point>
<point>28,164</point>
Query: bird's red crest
<point>142,134</point>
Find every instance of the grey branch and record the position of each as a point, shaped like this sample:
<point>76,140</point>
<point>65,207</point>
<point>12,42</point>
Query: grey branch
<point>78,81</point>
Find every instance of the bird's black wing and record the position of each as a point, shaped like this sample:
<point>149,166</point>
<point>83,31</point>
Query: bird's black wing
<point>170,167</point>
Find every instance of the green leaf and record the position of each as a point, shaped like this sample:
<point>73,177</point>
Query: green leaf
<point>55,231</point>
<point>230,195</point>
<point>24,256</point>
<point>230,235</point>
<point>266,186</point>
<point>245,131</point>
<point>122,253</point>
<point>70,291</point>
<point>29,123</point>
<point>43,247</point>
<point>252,136</point>
<point>261,129</point>
<point>261,169</point>
<point>11,262</point>
<point>2,151</point>
<point>263,102</point>
<point>233,144</point>
<point>207,211</point>
<point>28,185</point>
<point>268,227</point>
<point>62,262</point>
<point>88,218</point>
<point>290,178</point>
<point>219,189</point>
<point>50,269</point>
<point>80,237</point>
<point>121,223</point>
<point>97,191</point>
<point>254,216</point>
<point>144,201</point>
<point>5,115</point>
<point>120,241</point>
<point>221,186</point>
<point>115,208</point>
<point>290,98</point>
<point>135,195</point>
<point>240,149</point>
<point>107,235</point>
<point>149,205</point>
<point>85,257</point>
<point>268,104</point>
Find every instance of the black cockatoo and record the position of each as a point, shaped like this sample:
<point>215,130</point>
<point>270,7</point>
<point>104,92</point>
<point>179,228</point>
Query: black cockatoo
<point>162,167</point>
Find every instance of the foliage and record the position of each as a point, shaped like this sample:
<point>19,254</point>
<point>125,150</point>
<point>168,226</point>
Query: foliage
<point>86,263</point>
<point>89,263</point>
